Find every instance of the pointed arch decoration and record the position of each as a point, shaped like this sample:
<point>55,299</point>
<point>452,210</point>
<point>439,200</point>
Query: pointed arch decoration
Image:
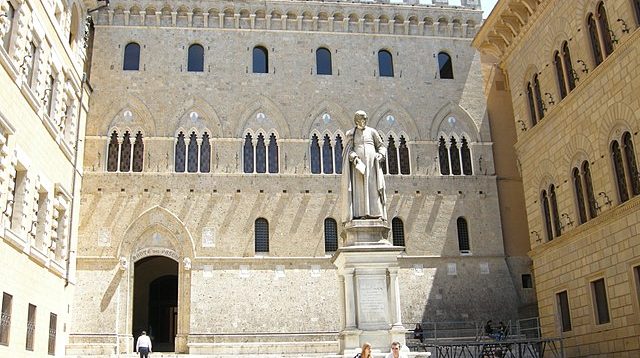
<point>273,118</point>
<point>465,123</point>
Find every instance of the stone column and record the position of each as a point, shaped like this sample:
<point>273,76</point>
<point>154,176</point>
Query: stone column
<point>349,299</point>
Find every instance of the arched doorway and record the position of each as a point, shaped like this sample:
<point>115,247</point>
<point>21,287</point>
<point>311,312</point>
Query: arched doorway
<point>155,301</point>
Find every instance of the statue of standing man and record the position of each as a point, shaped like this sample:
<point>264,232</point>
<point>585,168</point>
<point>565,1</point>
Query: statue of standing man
<point>363,195</point>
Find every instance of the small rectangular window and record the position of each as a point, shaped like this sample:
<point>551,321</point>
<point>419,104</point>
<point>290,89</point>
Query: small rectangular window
<point>6,318</point>
<point>53,327</point>
<point>527,281</point>
<point>600,301</point>
<point>562,300</point>
<point>636,277</point>
<point>31,326</point>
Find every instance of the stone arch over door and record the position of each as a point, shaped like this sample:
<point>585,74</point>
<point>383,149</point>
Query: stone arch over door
<point>159,232</point>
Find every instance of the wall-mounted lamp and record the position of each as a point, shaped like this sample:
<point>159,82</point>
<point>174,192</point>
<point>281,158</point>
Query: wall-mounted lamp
<point>523,126</point>
<point>625,28</point>
<point>551,101</point>
<point>607,201</point>
<point>584,66</point>
<point>5,15</point>
<point>34,224</point>
<point>574,75</point>
<point>6,207</point>
<point>538,238</point>
<point>614,39</point>
<point>45,98</point>
<point>23,65</point>
<point>569,221</point>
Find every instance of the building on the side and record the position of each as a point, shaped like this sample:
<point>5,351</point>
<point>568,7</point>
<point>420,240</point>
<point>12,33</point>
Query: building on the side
<point>43,106</point>
<point>573,78</point>
<point>211,189</point>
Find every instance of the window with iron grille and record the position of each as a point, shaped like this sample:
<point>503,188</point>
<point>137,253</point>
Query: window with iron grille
<point>192,153</point>
<point>330,235</point>
<point>138,153</point>
<point>5,325</point>
<point>248,154</point>
<point>397,231</point>
<point>205,154</point>
<point>327,155</point>
<point>261,229</point>
<point>112,155</point>
<point>404,157</point>
<point>337,153</point>
<point>31,327</point>
<point>53,327</point>
<point>463,235</point>
<point>315,155</point>
<point>125,153</point>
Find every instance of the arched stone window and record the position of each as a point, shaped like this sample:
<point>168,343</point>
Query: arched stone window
<point>445,65</point>
<point>385,63</point>
<point>568,66</point>
<point>195,61</point>
<point>205,154</point>
<point>261,154</point>
<point>536,92</point>
<point>125,152</point>
<point>631,164</point>
<point>593,39</point>
<point>338,154</point>
<point>131,57</point>
<point>588,186</point>
<point>248,154</point>
<point>465,155</point>
<point>560,74</point>
<point>179,160</point>
<point>327,155</point>
<point>392,156</point>
<point>273,154</point>
<point>397,231</point>
<point>323,61</point>
<point>625,168</point>
<point>261,232</point>
<point>618,166</point>
<point>330,235</point>
<point>443,156</point>
<point>577,187</point>
<point>636,10</point>
<point>454,155</point>
<point>112,153</point>
<point>260,60</point>
<point>555,216</point>
<point>546,215</point>
<point>138,153</point>
<point>315,155</point>
<point>532,108</point>
<point>463,235</point>
<point>405,168</point>
<point>192,154</point>
<point>605,30</point>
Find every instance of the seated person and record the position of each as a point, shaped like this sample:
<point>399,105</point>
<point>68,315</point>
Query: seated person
<point>417,332</point>
<point>395,351</point>
<point>489,331</point>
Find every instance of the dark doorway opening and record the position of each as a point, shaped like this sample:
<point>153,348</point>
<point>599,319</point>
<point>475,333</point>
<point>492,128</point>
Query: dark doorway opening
<point>155,301</point>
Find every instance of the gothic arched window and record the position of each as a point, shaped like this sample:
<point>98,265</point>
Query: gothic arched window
<point>636,10</point>
<point>330,235</point>
<point>463,235</point>
<point>443,156</point>
<point>138,153</point>
<point>385,63</point>
<point>180,153</point>
<point>273,154</point>
<point>618,166</point>
<point>593,39</point>
<point>536,91</point>
<point>560,74</point>
<point>261,232</point>
<point>568,66</point>
<point>338,154</point>
<point>404,157</point>
<point>248,154</point>
<point>195,61</point>
<point>392,156</point>
<point>327,155</point>
<point>632,166</point>
<point>454,154</point>
<point>260,60</point>
<point>554,210</point>
<point>605,30</point>
<point>131,57</point>
<point>192,157</point>
<point>532,108</point>
<point>315,155</point>
<point>205,154</point>
<point>465,153</point>
<point>588,186</point>
<point>546,215</point>
<point>125,153</point>
<point>577,186</point>
<point>112,153</point>
<point>445,65</point>
<point>397,231</point>
<point>261,155</point>
<point>323,61</point>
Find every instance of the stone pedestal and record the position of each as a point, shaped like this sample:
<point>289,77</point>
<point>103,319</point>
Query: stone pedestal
<point>368,270</point>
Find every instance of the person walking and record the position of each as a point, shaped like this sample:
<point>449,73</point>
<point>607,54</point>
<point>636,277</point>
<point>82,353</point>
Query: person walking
<point>143,345</point>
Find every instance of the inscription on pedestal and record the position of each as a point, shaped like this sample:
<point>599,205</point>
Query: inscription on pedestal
<point>372,300</point>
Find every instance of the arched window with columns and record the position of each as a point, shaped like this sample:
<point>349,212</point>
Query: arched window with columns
<point>263,157</point>
<point>192,153</point>
<point>138,153</point>
<point>112,152</point>
<point>314,152</point>
<point>125,152</point>
<point>180,153</point>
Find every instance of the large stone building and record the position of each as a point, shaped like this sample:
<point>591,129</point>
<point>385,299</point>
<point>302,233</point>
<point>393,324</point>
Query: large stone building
<point>211,172</point>
<point>572,69</point>
<point>43,105</point>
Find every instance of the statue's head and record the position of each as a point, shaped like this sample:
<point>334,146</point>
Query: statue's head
<point>360,119</point>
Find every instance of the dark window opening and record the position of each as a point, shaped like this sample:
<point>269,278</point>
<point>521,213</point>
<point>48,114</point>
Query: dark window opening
<point>205,154</point>
<point>443,156</point>
<point>404,157</point>
<point>315,155</point>
<point>192,157</point>
<point>338,154</point>
<point>600,301</point>
<point>392,156</point>
<point>131,57</point>
<point>125,153</point>
<point>248,154</point>
<point>327,155</point>
<point>454,154</point>
<point>195,62</point>
<point>330,235</point>
<point>385,63</point>
<point>261,229</point>
<point>397,231</point>
<point>273,154</point>
<point>138,153</point>
<point>466,157</point>
<point>527,281</point>
<point>463,234</point>
<point>445,66</point>
<point>180,153</point>
<point>323,61</point>
<point>112,155</point>
<point>260,60</point>
<point>563,308</point>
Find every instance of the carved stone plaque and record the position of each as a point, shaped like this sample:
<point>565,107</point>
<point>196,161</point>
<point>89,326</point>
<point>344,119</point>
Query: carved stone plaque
<point>372,301</point>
